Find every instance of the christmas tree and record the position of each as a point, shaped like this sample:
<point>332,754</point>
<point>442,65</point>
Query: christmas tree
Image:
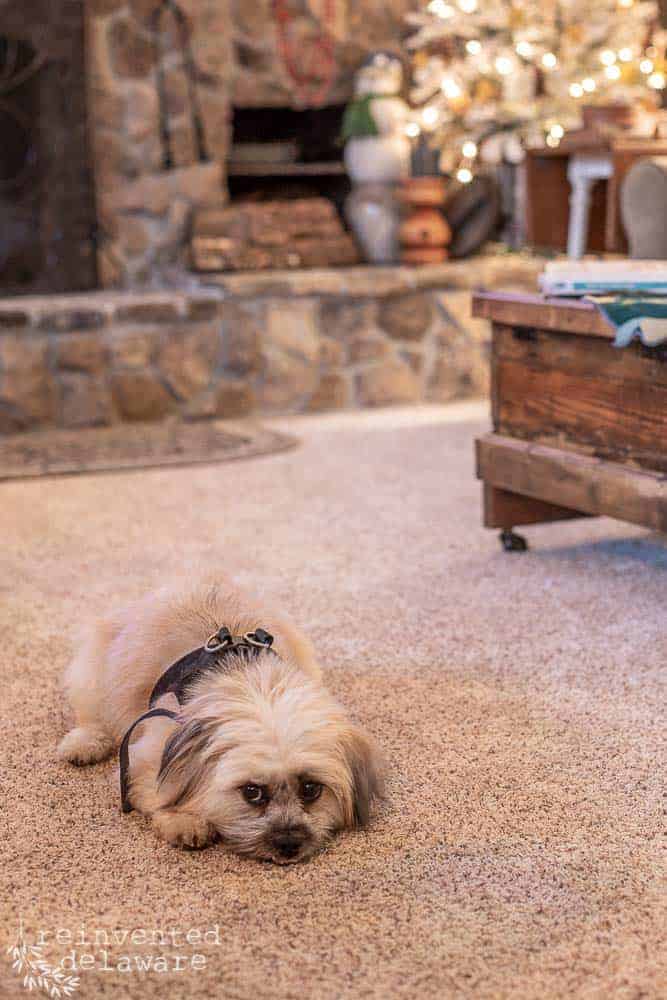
<point>524,69</point>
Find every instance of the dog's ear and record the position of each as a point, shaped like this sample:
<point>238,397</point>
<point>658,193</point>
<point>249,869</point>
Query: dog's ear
<point>186,759</point>
<point>365,764</point>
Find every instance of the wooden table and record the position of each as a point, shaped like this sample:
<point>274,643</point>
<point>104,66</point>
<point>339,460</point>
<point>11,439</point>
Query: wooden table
<point>548,196</point>
<point>549,191</point>
<point>579,426</point>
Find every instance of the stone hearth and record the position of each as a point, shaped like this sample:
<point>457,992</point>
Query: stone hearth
<point>274,342</point>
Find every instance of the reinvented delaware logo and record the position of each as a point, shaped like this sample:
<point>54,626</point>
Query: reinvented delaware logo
<point>38,974</point>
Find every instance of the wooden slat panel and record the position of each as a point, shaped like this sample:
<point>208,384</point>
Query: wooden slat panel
<point>562,315</point>
<point>618,419</point>
<point>547,201</point>
<point>503,509</point>
<point>578,482</point>
<point>581,355</point>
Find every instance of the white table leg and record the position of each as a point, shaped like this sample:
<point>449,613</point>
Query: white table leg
<point>582,173</point>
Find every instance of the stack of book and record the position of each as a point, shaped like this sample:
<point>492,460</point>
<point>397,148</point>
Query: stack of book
<point>604,277</point>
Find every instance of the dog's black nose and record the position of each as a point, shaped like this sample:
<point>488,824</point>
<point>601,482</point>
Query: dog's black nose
<point>287,845</point>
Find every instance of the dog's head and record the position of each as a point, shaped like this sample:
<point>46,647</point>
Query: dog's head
<point>271,760</point>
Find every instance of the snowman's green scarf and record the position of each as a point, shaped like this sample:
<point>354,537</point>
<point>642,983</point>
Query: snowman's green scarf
<point>358,119</point>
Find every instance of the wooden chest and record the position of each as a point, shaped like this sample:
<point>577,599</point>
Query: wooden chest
<point>579,426</point>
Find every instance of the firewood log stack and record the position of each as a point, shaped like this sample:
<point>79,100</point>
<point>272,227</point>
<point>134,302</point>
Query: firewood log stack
<point>252,236</point>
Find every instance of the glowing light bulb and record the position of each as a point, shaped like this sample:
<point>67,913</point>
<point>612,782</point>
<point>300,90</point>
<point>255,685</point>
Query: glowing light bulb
<point>430,115</point>
<point>503,65</point>
<point>464,176</point>
<point>552,141</point>
<point>607,57</point>
<point>625,54</point>
<point>589,84</point>
<point>450,88</point>
<point>524,49</point>
<point>469,149</point>
<point>557,131</point>
<point>441,9</point>
<point>473,47</point>
<point>612,72</point>
<point>646,66</point>
<point>412,130</point>
<point>576,90</point>
<point>468,6</point>
<point>626,3</point>
<point>657,81</point>
<point>549,60</point>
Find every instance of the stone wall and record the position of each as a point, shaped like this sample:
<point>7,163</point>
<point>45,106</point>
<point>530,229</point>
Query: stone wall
<point>144,213</point>
<point>242,52</point>
<point>274,343</point>
<point>355,28</point>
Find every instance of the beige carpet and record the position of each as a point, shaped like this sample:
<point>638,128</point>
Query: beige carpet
<point>520,700</point>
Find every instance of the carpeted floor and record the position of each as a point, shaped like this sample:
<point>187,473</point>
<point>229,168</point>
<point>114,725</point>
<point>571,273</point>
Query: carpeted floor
<point>520,700</point>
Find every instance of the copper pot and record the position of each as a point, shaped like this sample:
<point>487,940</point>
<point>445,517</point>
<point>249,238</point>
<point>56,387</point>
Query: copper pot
<point>423,255</point>
<point>424,232</point>
<point>425,227</point>
<point>422,191</point>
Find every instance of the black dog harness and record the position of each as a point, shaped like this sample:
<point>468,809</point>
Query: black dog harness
<point>179,675</point>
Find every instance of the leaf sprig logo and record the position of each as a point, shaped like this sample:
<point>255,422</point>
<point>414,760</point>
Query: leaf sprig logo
<point>38,974</point>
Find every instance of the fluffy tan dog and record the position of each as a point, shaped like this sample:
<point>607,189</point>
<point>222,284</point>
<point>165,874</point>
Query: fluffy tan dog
<point>259,754</point>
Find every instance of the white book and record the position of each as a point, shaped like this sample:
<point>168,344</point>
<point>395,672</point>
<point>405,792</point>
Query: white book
<point>600,277</point>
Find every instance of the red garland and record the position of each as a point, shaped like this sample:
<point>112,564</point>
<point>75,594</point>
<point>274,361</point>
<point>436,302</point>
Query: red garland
<point>319,59</point>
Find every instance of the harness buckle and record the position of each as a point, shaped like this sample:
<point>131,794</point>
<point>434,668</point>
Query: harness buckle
<point>218,640</point>
<point>260,637</point>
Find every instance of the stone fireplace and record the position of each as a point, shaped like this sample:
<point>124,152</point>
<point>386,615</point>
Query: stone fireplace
<point>266,71</point>
<point>87,90</point>
<point>97,213</point>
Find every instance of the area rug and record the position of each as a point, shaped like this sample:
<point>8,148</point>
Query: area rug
<point>132,446</point>
<point>519,700</point>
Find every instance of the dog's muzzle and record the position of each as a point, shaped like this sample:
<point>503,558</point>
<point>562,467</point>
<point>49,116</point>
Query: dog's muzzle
<point>288,842</point>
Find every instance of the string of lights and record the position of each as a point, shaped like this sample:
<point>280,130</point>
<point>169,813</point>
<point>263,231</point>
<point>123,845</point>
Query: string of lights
<point>523,69</point>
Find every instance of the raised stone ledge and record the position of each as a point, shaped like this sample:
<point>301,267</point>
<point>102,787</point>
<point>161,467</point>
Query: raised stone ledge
<point>490,271</point>
<point>486,271</point>
<point>92,310</point>
<point>273,342</point>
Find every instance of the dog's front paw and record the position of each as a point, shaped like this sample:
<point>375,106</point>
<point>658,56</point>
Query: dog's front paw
<point>85,745</point>
<point>182,829</point>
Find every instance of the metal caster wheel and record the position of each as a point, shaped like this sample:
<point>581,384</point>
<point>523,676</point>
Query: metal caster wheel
<point>511,542</point>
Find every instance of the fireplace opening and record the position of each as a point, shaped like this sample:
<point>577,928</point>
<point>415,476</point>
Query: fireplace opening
<point>282,153</point>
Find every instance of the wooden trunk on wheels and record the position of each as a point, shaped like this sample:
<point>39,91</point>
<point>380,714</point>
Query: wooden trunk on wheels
<point>579,426</point>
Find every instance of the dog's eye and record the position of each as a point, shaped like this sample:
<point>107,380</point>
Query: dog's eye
<point>254,794</point>
<point>310,790</point>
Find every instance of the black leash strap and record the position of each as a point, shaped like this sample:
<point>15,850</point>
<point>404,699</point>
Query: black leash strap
<point>176,678</point>
<point>124,755</point>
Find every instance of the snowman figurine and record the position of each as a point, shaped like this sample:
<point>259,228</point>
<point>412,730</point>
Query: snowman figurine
<point>377,156</point>
<point>377,149</point>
